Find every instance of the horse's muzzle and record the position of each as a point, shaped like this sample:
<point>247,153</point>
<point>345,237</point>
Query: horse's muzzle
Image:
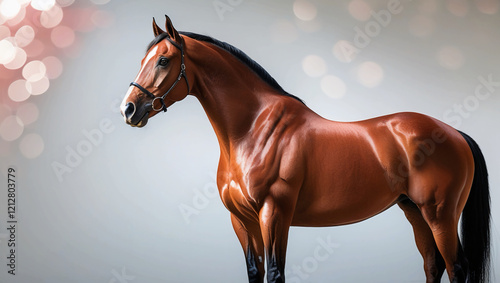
<point>134,117</point>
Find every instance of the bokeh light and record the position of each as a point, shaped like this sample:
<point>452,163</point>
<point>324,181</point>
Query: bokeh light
<point>62,36</point>
<point>9,8</point>
<point>488,7</point>
<point>32,34</point>
<point>7,51</point>
<point>360,10</point>
<point>18,61</point>
<point>31,146</point>
<point>304,10</point>
<point>54,67</point>
<point>65,3</point>
<point>38,87</point>
<point>4,32</point>
<point>18,18</point>
<point>370,74</point>
<point>450,57</point>
<point>28,113</point>
<point>17,91</point>
<point>24,36</point>
<point>34,71</point>
<point>52,17</point>
<point>314,66</point>
<point>11,128</point>
<point>42,5</point>
<point>333,86</point>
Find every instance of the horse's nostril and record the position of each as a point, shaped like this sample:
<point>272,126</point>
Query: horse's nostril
<point>129,110</point>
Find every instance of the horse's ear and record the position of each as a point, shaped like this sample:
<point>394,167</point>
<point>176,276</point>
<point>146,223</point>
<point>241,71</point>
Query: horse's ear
<point>172,32</point>
<point>156,29</point>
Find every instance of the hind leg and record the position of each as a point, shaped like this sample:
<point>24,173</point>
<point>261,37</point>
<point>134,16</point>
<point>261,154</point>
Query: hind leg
<point>434,265</point>
<point>443,224</point>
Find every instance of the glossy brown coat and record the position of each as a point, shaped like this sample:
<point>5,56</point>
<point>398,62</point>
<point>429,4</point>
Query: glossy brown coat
<point>281,164</point>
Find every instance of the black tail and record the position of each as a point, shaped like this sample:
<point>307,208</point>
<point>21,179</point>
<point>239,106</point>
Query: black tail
<point>476,219</point>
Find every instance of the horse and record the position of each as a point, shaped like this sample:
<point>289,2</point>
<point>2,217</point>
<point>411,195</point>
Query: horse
<point>283,165</point>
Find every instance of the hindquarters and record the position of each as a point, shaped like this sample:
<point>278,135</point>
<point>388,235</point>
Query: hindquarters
<point>441,171</point>
<point>435,166</point>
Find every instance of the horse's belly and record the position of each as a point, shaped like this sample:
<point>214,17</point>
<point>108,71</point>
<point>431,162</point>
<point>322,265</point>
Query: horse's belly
<point>328,212</point>
<point>342,208</point>
<point>344,197</point>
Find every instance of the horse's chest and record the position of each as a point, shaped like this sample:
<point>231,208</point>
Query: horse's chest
<point>236,199</point>
<point>243,189</point>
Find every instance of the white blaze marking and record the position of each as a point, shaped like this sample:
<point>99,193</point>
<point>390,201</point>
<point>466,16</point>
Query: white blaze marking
<point>150,55</point>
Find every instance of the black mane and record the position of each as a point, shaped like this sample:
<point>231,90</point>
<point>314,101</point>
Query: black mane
<point>254,66</point>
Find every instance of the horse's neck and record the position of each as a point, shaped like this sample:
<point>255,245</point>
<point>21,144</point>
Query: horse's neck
<point>230,93</point>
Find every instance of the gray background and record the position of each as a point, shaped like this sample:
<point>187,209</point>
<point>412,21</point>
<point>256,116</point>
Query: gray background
<point>117,215</point>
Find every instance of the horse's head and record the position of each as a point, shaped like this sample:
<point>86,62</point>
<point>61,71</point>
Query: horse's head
<point>157,86</point>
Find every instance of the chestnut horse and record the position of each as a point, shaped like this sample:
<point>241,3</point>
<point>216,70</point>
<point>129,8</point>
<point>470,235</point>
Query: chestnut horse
<point>281,164</point>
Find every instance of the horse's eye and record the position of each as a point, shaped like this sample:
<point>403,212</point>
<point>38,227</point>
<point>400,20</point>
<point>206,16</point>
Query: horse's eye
<point>162,61</point>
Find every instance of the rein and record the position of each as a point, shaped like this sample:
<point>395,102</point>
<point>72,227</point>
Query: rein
<point>161,99</point>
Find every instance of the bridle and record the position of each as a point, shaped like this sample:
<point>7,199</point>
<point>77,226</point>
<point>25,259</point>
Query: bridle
<point>182,74</point>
